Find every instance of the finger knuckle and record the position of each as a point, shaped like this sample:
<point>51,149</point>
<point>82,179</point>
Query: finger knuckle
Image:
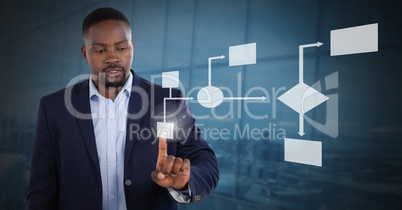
<point>171,157</point>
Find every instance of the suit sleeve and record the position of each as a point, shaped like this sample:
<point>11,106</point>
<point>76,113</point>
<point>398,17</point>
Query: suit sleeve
<point>204,175</point>
<point>43,183</point>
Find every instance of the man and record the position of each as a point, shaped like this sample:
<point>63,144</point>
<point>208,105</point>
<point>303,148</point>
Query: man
<point>95,147</point>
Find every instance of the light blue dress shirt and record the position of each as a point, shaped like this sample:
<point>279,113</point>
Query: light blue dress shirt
<point>109,119</point>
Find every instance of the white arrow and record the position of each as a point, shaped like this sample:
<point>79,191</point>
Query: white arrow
<point>301,47</point>
<point>190,98</point>
<point>262,98</point>
<point>317,44</point>
<point>166,99</point>
<point>301,63</point>
<point>301,124</point>
<point>209,67</point>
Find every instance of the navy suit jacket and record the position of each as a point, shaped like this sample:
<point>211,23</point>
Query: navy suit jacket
<point>65,171</point>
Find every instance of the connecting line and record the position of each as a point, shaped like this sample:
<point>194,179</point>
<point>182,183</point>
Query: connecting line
<point>209,67</point>
<point>301,75</point>
<point>171,99</point>
<point>301,116</point>
<point>262,98</point>
<point>301,124</point>
<point>301,47</point>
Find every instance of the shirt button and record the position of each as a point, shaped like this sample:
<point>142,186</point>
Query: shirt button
<point>111,196</point>
<point>111,138</point>
<point>127,183</point>
<point>111,165</point>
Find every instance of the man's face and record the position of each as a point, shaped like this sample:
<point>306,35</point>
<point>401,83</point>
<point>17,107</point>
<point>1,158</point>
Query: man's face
<point>108,50</point>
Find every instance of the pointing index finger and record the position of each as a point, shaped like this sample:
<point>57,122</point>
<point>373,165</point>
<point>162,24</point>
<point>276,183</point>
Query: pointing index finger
<point>162,154</point>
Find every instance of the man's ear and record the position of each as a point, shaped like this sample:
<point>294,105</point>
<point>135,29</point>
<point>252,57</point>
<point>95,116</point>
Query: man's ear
<point>84,54</point>
<point>133,46</point>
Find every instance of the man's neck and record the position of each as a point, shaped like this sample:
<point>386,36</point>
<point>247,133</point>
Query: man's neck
<point>111,92</point>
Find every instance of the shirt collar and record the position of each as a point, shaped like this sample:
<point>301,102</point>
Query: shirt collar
<point>93,91</point>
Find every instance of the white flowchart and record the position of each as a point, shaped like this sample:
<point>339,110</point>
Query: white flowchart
<point>301,98</point>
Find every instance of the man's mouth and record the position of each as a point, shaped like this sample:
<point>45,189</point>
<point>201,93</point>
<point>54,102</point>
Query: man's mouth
<point>113,72</point>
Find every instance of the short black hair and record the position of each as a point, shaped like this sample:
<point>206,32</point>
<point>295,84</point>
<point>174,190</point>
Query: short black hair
<point>102,14</point>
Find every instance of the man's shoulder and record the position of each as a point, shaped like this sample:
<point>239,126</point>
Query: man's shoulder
<point>69,91</point>
<point>156,89</point>
<point>148,85</point>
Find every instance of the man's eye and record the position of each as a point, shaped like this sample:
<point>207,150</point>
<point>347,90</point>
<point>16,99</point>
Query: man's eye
<point>100,51</point>
<point>121,48</point>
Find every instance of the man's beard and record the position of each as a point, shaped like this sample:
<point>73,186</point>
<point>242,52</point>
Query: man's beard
<point>113,82</point>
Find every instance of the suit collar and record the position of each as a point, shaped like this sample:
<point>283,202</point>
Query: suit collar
<point>80,101</point>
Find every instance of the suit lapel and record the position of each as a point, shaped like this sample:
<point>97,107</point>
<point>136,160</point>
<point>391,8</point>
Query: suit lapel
<point>134,107</point>
<point>82,110</point>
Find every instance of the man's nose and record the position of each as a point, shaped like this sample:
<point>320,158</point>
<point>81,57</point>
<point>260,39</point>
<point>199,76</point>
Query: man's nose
<point>112,57</point>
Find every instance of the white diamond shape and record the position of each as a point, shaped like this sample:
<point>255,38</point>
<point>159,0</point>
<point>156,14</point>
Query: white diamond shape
<point>302,98</point>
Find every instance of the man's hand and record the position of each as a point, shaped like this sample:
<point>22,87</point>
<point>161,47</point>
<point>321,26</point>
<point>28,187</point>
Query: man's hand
<point>170,171</point>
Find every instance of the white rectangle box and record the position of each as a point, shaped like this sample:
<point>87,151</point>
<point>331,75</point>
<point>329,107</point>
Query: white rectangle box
<point>303,151</point>
<point>165,129</point>
<point>359,39</point>
<point>242,54</point>
<point>170,79</point>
